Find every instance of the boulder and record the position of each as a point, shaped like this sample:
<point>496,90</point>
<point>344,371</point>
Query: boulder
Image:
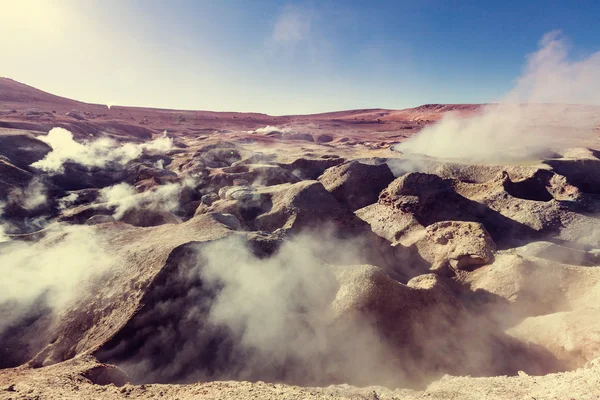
<point>582,173</point>
<point>323,138</point>
<point>80,197</point>
<point>145,217</point>
<point>267,175</point>
<point>82,213</point>
<point>241,193</point>
<point>460,245</point>
<point>22,149</point>
<point>228,220</point>
<point>517,287</point>
<point>308,167</point>
<point>356,185</point>
<point>159,175</point>
<point>208,199</point>
<point>256,158</point>
<point>218,145</point>
<point>77,114</point>
<point>304,205</point>
<point>220,157</point>
<point>307,137</point>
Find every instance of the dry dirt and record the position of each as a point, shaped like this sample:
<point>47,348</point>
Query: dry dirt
<point>289,257</point>
<point>69,381</point>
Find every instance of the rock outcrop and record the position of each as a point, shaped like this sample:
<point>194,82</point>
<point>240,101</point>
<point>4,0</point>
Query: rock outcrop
<point>455,244</point>
<point>22,150</point>
<point>356,185</point>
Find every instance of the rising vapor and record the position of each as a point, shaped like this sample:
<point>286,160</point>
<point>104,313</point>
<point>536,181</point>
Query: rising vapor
<point>53,271</point>
<point>546,109</point>
<point>97,153</point>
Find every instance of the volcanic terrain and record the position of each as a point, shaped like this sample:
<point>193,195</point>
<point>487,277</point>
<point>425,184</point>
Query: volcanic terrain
<point>195,254</point>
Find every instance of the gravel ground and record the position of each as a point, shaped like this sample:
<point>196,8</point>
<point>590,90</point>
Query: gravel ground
<point>67,381</point>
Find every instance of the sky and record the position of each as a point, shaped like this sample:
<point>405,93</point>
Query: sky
<point>282,57</point>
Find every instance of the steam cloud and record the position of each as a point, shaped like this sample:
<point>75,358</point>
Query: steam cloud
<point>272,128</point>
<point>54,270</point>
<point>67,201</point>
<point>523,125</point>
<point>28,198</point>
<point>162,198</point>
<point>33,196</point>
<point>3,236</point>
<point>97,153</point>
<point>276,318</point>
<point>282,311</point>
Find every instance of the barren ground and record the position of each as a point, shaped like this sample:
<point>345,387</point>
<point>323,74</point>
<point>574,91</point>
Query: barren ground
<point>240,255</point>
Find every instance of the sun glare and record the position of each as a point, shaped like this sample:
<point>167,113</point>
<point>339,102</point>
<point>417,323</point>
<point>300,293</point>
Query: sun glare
<point>34,16</point>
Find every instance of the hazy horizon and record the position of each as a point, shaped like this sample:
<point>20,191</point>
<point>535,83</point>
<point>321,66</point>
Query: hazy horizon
<point>281,58</point>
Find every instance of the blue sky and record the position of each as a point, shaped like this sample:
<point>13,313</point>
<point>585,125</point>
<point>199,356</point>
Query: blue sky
<point>283,57</point>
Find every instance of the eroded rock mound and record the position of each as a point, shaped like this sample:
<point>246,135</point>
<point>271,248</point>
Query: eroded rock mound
<point>310,167</point>
<point>397,331</point>
<point>416,200</point>
<point>100,312</point>
<point>22,149</point>
<point>459,245</point>
<point>356,185</point>
<point>582,173</point>
<point>290,209</point>
<point>543,302</point>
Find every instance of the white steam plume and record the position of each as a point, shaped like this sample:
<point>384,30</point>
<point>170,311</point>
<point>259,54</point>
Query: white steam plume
<point>3,225</point>
<point>294,318</point>
<point>3,236</point>
<point>97,153</point>
<point>33,196</point>
<point>272,128</point>
<point>67,201</point>
<point>56,268</point>
<point>284,314</point>
<point>550,107</point>
<point>283,311</point>
<point>162,198</point>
